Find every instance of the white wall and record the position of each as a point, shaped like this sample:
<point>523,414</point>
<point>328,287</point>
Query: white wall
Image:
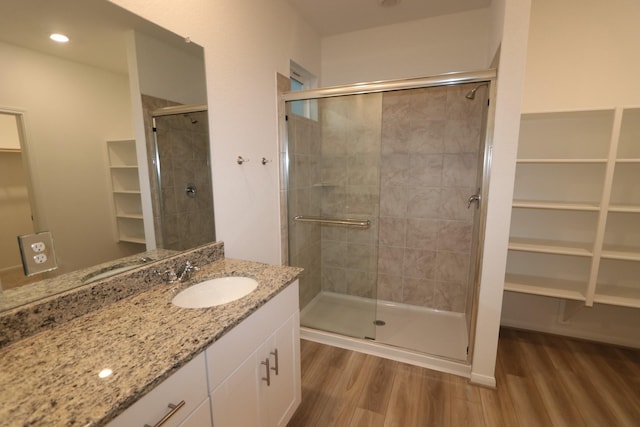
<point>245,43</point>
<point>70,111</point>
<point>161,67</point>
<point>456,42</point>
<point>581,54</point>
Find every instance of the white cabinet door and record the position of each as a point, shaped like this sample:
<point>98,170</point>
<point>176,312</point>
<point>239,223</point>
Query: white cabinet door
<point>237,367</point>
<point>188,385</point>
<point>282,396</point>
<point>201,417</point>
<point>235,402</point>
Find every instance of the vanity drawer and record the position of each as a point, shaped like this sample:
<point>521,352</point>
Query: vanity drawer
<point>188,384</point>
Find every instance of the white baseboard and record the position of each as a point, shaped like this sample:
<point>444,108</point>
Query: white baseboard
<point>482,380</point>
<point>570,332</point>
<point>387,352</point>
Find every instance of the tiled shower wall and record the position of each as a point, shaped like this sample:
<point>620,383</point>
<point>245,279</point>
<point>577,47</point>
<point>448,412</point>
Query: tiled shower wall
<point>350,164</point>
<point>181,222</point>
<point>430,154</point>
<point>303,196</point>
<point>407,157</point>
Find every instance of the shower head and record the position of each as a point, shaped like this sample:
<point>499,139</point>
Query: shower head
<point>193,121</point>
<point>472,93</point>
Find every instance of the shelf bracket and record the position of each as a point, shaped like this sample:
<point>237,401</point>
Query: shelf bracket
<point>570,308</point>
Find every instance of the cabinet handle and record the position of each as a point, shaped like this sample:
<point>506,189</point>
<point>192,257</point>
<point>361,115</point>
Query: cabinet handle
<point>275,368</point>
<point>174,409</point>
<point>268,377</point>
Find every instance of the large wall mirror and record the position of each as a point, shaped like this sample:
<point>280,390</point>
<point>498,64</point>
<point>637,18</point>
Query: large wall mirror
<point>104,142</point>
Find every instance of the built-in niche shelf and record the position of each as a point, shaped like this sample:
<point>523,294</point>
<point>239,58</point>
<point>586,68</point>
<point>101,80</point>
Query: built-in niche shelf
<point>125,187</point>
<point>575,226</point>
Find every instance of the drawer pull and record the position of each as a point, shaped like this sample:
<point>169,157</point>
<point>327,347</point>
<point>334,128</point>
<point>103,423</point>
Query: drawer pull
<point>268,377</point>
<point>174,409</point>
<point>275,368</point>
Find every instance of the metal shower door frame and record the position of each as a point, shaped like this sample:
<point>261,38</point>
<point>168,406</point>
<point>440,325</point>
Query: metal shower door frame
<point>448,79</point>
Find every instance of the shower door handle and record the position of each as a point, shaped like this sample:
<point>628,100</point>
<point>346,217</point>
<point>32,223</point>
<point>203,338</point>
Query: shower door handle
<point>474,198</point>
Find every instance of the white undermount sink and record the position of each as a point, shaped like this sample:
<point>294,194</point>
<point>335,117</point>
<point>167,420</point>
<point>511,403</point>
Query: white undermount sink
<point>214,292</point>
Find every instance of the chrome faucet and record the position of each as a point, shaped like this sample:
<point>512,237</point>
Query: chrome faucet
<point>185,274</point>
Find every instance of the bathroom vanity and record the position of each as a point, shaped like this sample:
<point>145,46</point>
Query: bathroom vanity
<point>136,360</point>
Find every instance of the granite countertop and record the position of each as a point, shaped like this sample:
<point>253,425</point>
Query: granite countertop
<point>51,378</point>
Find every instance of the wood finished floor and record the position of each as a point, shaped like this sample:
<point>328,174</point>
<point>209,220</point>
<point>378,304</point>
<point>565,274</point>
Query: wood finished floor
<point>543,380</point>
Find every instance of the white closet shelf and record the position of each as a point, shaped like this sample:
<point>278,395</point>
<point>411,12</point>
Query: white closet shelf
<point>550,247</point>
<point>560,161</point>
<point>130,216</point>
<point>544,286</point>
<point>123,167</point>
<point>625,208</point>
<point>140,240</point>
<point>547,204</point>
<point>582,167</point>
<point>618,295</point>
<point>626,253</point>
<point>126,191</point>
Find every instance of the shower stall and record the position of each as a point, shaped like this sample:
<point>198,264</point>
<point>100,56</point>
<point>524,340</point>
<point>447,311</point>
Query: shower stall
<point>385,211</point>
<point>180,176</point>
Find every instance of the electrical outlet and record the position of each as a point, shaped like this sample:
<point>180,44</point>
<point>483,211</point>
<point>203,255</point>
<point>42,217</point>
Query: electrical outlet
<point>40,258</point>
<point>38,247</point>
<point>37,253</point>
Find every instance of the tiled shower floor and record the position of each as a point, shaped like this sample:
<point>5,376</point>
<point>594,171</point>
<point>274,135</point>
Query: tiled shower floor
<point>433,332</point>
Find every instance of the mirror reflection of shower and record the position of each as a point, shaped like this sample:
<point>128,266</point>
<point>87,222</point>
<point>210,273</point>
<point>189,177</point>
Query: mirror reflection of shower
<point>180,174</point>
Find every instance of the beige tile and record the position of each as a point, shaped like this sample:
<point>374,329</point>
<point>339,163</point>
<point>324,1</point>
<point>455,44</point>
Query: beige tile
<point>361,257</point>
<point>394,169</point>
<point>422,233</point>
<point>418,292</point>
<point>389,288</point>
<point>361,283</point>
<point>426,137</point>
<point>459,170</point>
<point>419,264</point>
<point>392,231</point>
<point>395,137</point>
<point>390,260</point>
<point>393,201</point>
<point>450,296</point>
<point>365,139</point>
<point>453,204</point>
<point>334,280</point>
<point>423,202</point>
<point>363,169</point>
<point>334,254</point>
<point>452,267</point>
<point>455,236</point>
<point>425,170</point>
<point>362,200</point>
<point>367,236</point>
<point>461,136</point>
<point>331,232</point>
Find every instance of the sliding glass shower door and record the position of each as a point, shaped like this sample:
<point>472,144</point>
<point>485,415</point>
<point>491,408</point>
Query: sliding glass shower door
<point>333,198</point>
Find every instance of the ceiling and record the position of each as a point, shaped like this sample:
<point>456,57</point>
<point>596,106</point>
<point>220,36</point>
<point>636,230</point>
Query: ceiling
<point>96,28</point>
<point>331,17</point>
<point>94,25</point>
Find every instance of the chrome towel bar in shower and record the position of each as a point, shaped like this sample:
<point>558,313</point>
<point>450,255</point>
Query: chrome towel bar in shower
<point>360,223</point>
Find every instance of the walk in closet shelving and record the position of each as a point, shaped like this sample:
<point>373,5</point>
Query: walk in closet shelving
<point>125,186</point>
<point>575,225</point>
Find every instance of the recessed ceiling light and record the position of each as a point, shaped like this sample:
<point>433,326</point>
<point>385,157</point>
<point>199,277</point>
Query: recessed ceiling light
<point>388,2</point>
<point>60,38</point>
